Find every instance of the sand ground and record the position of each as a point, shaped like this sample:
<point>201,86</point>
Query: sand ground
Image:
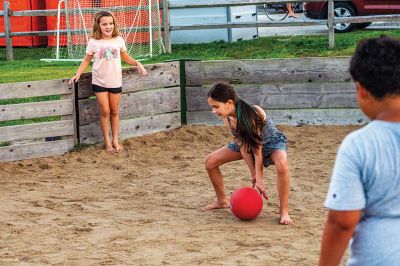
<point>141,207</point>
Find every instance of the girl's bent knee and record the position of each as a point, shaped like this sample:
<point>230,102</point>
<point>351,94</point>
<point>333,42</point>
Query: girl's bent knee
<point>210,162</point>
<point>282,166</point>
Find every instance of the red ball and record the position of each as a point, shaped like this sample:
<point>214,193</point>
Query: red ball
<point>246,203</point>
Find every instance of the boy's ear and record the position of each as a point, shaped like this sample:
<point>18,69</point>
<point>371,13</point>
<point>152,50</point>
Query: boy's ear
<point>362,92</point>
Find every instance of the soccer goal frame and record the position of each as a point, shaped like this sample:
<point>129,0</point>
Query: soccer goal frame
<point>130,30</point>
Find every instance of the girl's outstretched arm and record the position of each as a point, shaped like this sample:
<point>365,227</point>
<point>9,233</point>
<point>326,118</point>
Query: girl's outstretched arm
<point>249,159</point>
<point>85,63</point>
<point>255,163</point>
<point>129,60</point>
<point>259,166</point>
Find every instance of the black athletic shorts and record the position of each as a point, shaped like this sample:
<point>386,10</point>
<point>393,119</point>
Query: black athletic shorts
<point>97,88</point>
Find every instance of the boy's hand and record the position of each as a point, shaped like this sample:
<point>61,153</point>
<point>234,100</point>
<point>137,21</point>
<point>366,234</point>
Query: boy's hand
<point>260,186</point>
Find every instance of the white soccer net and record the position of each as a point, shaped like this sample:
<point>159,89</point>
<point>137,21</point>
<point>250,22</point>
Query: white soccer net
<point>139,22</point>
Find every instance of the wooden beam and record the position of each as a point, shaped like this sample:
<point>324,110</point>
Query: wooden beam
<point>37,130</point>
<point>64,32</point>
<point>144,103</point>
<point>35,109</point>
<point>298,22</point>
<point>53,12</point>
<point>283,96</point>
<point>223,3</point>
<point>331,29</point>
<point>35,150</point>
<point>295,117</point>
<point>34,89</point>
<point>166,27</point>
<point>260,71</point>
<point>133,127</point>
<point>7,30</point>
<point>159,75</point>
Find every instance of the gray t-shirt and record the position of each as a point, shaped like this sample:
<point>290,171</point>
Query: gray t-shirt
<point>366,177</point>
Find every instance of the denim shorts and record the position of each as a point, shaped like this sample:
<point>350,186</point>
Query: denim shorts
<point>278,143</point>
<point>97,88</point>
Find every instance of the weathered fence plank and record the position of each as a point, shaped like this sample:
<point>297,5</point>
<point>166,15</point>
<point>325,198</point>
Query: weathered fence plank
<point>143,103</point>
<point>298,70</point>
<point>36,109</point>
<point>35,150</point>
<point>37,130</point>
<point>222,3</point>
<point>278,96</point>
<point>159,76</point>
<point>7,30</point>
<point>133,127</point>
<point>238,25</point>
<point>293,117</point>
<point>34,89</point>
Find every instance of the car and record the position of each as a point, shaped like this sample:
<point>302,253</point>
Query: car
<point>319,10</point>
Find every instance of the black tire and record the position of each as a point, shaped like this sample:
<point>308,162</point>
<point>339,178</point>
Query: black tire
<point>363,25</point>
<point>276,12</point>
<point>344,9</point>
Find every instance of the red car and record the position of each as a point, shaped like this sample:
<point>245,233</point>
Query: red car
<point>319,10</point>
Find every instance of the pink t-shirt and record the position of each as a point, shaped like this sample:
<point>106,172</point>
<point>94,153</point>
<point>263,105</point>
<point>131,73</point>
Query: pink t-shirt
<point>107,70</point>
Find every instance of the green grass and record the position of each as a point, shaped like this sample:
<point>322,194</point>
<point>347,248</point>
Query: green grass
<point>28,67</point>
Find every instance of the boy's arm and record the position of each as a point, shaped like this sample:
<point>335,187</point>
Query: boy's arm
<point>338,230</point>
<point>129,60</point>
<point>85,63</point>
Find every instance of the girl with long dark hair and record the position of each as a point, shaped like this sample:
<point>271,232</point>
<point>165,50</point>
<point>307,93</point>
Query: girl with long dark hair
<point>256,140</point>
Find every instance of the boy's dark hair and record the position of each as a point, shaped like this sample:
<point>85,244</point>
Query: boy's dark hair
<point>376,65</point>
<point>249,123</point>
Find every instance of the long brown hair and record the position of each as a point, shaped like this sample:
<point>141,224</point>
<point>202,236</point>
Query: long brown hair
<point>250,124</point>
<point>96,31</point>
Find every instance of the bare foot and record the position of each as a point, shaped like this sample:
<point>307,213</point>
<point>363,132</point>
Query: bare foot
<point>117,147</point>
<point>110,149</point>
<point>285,219</point>
<point>292,15</point>
<point>216,205</point>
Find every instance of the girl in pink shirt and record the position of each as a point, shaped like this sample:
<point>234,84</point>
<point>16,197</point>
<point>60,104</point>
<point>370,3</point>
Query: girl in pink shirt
<point>107,48</point>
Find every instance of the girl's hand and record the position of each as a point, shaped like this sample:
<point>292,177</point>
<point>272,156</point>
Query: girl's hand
<point>260,186</point>
<point>253,180</point>
<point>141,69</point>
<point>74,79</point>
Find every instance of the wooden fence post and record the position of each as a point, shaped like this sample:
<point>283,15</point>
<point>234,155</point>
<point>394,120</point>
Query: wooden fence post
<point>7,30</point>
<point>75,114</point>
<point>166,22</point>
<point>331,30</point>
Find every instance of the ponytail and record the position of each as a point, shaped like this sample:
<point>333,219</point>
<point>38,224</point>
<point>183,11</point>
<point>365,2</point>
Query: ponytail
<point>249,125</point>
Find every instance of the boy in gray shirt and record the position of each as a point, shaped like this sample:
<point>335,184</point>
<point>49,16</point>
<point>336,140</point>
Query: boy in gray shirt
<point>364,194</point>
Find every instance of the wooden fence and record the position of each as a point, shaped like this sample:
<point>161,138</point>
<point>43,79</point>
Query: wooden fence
<point>293,91</point>
<point>148,103</point>
<point>37,139</point>
<point>299,91</point>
